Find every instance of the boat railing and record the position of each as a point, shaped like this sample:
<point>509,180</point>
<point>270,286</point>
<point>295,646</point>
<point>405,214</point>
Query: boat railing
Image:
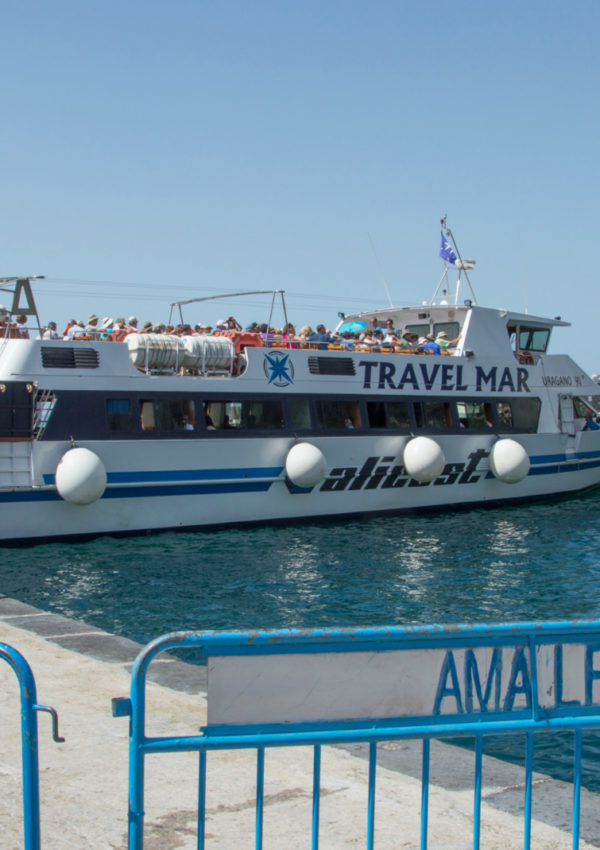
<point>363,349</point>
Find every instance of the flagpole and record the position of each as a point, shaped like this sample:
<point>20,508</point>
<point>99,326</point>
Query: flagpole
<point>444,276</point>
<point>461,268</point>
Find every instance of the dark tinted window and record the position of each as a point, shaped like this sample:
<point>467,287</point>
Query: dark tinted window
<point>389,414</point>
<point>518,414</point>
<point>474,414</point>
<point>338,414</point>
<point>299,411</point>
<point>119,414</point>
<point>253,415</point>
<point>168,415</point>
<point>433,415</point>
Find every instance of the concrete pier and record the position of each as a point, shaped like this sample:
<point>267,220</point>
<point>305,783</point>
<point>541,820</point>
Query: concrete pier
<point>83,782</point>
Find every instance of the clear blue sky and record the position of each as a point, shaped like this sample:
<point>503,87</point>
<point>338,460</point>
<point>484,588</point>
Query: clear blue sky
<point>154,151</point>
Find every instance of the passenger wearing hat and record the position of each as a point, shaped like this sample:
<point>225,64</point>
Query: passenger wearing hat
<point>427,345</point>
<point>106,327</point>
<point>91,329</point>
<point>443,341</point>
<point>222,325</point>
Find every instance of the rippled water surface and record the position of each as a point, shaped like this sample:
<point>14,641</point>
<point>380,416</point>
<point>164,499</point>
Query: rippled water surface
<point>511,564</point>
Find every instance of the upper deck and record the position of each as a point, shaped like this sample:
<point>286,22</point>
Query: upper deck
<point>483,335</point>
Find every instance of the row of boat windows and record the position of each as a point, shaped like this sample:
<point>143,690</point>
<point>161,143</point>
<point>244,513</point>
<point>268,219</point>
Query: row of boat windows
<point>162,417</point>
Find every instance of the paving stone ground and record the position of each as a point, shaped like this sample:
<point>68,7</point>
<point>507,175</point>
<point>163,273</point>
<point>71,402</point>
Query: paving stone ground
<point>83,782</point>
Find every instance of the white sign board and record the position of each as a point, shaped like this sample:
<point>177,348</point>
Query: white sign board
<point>413,683</point>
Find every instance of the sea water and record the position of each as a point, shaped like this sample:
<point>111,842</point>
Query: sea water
<point>537,562</point>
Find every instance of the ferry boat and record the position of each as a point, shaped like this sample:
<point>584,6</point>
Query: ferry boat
<point>160,433</point>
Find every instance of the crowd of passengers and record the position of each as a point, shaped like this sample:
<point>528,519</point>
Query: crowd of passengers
<point>374,335</point>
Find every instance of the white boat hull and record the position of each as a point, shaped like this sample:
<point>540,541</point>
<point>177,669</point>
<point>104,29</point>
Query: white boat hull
<point>221,488</point>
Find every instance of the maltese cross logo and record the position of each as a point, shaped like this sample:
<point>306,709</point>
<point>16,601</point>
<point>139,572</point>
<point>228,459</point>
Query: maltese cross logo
<point>278,369</point>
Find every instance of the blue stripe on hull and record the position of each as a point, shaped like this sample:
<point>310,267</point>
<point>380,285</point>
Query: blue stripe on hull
<point>186,474</point>
<point>145,492</point>
<point>571,466</point>
<point>243,486</point>
<point>560,458</point>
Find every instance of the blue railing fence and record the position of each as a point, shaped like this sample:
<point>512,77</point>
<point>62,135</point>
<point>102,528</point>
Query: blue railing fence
<point>29,743</point>
<point>293,688</point>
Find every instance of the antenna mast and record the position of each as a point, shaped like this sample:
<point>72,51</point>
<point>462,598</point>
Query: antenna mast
<point>387,291</point>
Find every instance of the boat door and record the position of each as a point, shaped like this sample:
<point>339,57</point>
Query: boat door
<point>16,416</point>
<point>15,464</point>
<point>568,426</point>
<point>567,415</point>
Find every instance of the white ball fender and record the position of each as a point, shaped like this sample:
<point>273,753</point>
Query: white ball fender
<point>423,459</point>
<point>305,465</point>
<point>509,461</point>
<point>80,477</point>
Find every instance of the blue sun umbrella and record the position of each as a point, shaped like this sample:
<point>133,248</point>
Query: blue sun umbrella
<point>352,327</point>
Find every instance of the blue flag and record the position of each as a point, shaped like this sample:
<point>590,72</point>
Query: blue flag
<point>446,252</point>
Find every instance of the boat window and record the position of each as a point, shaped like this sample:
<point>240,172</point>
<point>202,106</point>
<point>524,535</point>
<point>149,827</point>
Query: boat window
<point>580,407</point>
<point>45,402</point>
<point>420,330</point>
<point>512,336</point>
<point>451,328</point>
<point>518,414</point>
<point>594,401</point>
<point>299,412</point>
<point>533,339</point>
<point>505,420</point>
<point>119,414</point>
<point>168,415</point>
<point>253,414</point>
<point>433,415</point>
<point>339,414</point>
<point>391,414</point>
<point>263,415</point>
<point>220,414</point>
<point>475,414</point>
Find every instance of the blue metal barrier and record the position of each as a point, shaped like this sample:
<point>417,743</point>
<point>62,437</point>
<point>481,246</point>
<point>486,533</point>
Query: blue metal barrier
<point>29,743</point>
<point>292,687</point>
